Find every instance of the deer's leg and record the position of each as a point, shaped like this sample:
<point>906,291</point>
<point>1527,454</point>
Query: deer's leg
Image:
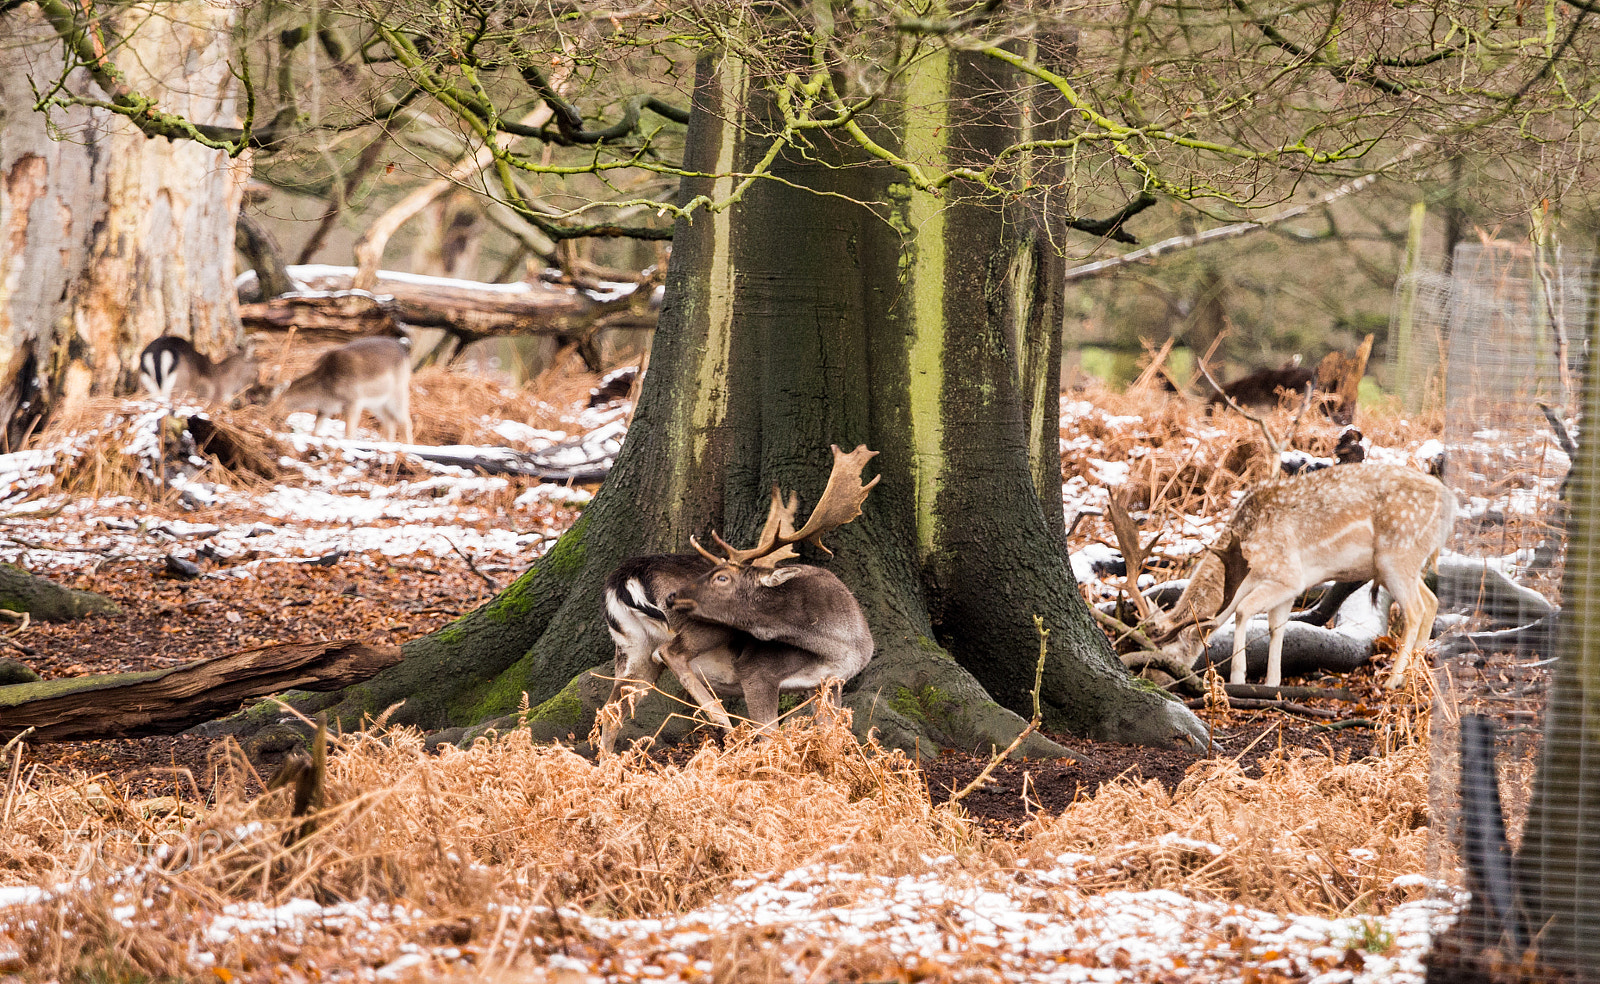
<point>316,425</point>
<point>634,672</point>
<point>1264,596</point>
<point>1276,620</point>
<point>677,660</point>
<point>761,698</point>
<point>1430,611</point>
<point>401,408</point>
<point>1241,618</point>
<point>352,420</point>
<point>1418,606</point>
<point>388,420</point>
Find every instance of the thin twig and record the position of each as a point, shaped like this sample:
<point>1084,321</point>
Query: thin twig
<point>1038,684</point>
<point>1277,446</point>
<point>471,565</point>
<point>1123,630</point>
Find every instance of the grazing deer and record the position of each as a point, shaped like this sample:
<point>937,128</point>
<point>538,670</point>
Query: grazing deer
<point>367,374</point>
<point>1353,522</point>
<point>1264,387</point>
<point>170,366</point>
<point>739,624</point>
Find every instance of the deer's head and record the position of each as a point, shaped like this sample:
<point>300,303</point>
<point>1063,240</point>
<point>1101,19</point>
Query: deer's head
<point>743,583</point>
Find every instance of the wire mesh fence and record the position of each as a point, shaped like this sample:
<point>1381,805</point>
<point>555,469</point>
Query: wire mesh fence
<point>1497,347</point>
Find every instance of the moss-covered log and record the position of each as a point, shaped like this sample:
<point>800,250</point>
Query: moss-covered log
<point>164,702</point>
<point>44,599</point>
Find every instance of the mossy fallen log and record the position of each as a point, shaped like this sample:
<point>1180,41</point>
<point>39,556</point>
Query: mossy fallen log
<point>164,702</point>
<point>47,600</point>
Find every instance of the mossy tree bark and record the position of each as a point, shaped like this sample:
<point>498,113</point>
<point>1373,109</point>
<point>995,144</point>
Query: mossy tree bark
<point>838,305</point>
<point>41,598</point>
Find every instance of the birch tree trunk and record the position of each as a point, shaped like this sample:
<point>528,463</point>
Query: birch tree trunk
<point>108,239</point>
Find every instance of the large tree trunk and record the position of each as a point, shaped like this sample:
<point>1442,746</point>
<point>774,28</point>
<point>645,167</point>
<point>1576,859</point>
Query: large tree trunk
<point>107,239</point>
<point>797,319</point>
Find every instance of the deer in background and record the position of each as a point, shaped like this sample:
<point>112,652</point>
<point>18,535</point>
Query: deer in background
<point>171,367</point>
<point>367,374</point>
<point>739,624</point>
<point>1354,522</point>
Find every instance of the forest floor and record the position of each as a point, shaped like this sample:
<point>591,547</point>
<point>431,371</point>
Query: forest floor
<point>1296,849</point>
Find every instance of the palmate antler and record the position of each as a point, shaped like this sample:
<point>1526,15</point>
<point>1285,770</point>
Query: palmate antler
<point>840,503</point>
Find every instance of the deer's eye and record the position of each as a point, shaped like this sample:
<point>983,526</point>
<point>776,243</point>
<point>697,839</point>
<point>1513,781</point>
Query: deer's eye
<point>721,579</point>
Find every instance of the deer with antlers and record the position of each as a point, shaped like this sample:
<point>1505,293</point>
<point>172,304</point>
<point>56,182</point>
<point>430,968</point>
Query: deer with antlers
<point>739,624</point>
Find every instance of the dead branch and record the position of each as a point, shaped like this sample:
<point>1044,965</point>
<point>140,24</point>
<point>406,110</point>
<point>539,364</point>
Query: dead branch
<point>1251,704</point>
<point>164,702</point>
<point>1237,229</point>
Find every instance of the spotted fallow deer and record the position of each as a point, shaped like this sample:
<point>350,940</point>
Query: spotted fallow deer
<point>171,367</point>
<point>1355,522</point>
<point>740,624</point>
<point>367,374</point>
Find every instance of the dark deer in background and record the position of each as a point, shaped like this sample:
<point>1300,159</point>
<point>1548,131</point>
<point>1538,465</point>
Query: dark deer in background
<point>739,624</point>
<point>171,367</point>
<point>1337,377</point>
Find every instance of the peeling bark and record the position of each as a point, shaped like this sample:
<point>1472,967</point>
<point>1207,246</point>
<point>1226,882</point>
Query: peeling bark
<point>108,239</point>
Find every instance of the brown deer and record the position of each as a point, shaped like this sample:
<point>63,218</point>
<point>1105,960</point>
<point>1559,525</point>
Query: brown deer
<point>739,624</point>
<point>171,367</point>
<point>367,374</point>
<point>1353,522</point>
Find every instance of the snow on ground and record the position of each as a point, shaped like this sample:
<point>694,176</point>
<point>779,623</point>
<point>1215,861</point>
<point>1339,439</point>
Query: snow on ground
<point>342,496</point>
<point>1023,924</point>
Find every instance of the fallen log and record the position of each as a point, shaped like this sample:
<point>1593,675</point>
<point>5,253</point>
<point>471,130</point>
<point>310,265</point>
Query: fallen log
<point>164,702</point>
<point>1534,639</point>
<point>1306,649</point>
<point>507,461</point>
<point>328,307</point>
<point>21,591</point>
<point>1254,704</point>
<point>1260,691</point>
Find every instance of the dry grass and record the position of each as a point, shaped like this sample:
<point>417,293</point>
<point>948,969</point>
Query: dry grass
<point>504,819</point>
<point>1186,457</point>
<point>441,834</point>
<point>1311,835</point>
<point>451,406</point>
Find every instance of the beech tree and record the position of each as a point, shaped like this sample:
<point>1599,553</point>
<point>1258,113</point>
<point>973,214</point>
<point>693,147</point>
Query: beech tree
<point>873,206</point>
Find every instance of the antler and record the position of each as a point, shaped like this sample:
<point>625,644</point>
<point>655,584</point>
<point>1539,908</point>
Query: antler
<point>840,503</point>
<point>780,523</point>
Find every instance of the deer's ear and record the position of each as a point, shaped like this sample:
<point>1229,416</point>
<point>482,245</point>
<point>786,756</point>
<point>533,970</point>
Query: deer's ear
<point>777,576</point>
